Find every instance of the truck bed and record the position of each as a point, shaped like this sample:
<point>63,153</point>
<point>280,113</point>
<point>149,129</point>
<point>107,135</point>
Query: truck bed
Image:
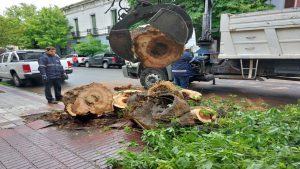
<point>273,34</point>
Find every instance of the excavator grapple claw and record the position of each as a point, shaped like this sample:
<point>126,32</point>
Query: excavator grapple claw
<point>170,19</point>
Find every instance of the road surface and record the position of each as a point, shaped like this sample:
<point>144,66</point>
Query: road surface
<point>272,91</point>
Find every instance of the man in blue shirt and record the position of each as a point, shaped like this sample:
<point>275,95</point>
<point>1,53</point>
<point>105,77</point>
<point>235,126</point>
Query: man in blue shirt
<point>182,69</point>
<point>52,72</point>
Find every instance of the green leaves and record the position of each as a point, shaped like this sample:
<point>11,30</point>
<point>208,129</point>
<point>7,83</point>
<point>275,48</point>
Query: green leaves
<point>247,139</point>
<point>90,47</point>
<point>24,26</point>
<point>48,28</point>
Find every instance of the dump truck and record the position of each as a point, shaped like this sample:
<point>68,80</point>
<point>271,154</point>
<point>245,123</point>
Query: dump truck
<point>252,45</point>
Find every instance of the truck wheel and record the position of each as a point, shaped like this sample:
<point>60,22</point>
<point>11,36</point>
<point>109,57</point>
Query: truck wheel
<point>105,65</point>
<point>17,81</point>
<point>151,76</point>
<point>87,64</point>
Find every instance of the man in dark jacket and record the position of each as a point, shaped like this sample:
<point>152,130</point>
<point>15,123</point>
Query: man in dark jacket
<point>52,72</point>
<point>182,69</point>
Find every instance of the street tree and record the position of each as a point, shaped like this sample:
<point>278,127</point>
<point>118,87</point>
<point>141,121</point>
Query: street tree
<point>90,47</point>
<point>22,25</point>
<point>13,22</point>
<point>48,28</point>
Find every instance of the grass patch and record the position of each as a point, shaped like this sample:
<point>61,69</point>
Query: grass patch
<point>4,83</point>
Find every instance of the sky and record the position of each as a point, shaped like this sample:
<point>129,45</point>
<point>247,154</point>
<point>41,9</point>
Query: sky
<point>38,3</point>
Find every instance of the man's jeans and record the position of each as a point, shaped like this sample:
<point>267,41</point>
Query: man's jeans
<point>182,81</point>
<point>57,89</point>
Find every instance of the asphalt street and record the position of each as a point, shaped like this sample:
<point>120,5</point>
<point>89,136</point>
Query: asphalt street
<point>272,91</point>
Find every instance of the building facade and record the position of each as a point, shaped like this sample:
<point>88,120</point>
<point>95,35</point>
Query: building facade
<point>92,17</point>
<point>281,4</point>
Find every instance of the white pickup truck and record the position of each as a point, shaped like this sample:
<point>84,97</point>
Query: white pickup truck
<point>22,65</point>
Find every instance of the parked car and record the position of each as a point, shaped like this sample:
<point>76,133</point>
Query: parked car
<point>105,60</point>
<point>81,59</point>
<point>22,65</point>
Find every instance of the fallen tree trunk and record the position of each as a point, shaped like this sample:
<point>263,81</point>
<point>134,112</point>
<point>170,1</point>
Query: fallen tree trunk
<point>154,48</point>
<point>94,98</point>
<point>164,87</point>
<point>151,111</point>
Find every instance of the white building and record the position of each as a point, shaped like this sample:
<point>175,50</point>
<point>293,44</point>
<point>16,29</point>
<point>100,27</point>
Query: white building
<point>90,17</point>
<point>281,4</point>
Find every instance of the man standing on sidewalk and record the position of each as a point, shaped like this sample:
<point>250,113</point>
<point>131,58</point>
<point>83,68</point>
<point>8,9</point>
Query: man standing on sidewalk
<point>52,73</point>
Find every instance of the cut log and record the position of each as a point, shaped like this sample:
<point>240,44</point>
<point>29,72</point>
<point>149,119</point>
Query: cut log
<point>150,111</point>
<point>204,114</point>
<point>120,88</point>
<point>154,48</point>
<point>164,87</point>
<point>94,98</point>
<point>120,98</point>
<point>190,94</point>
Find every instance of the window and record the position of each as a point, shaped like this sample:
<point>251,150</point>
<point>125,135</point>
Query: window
<point>110,55</point>
<point>290,3</point>
<point>13,57</point>
<point>114,16</point>
<point>93,18</point>
<point>29,55</point>
<point>1,57</point>
<point>5,57</point>
<point>76,26</point>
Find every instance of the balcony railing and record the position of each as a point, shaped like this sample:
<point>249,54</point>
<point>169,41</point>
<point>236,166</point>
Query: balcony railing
<point>93,31</point>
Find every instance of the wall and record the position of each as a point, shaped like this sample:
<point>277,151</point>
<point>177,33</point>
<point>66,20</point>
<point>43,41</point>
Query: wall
<point>278,3</point>
<point>83,11</point>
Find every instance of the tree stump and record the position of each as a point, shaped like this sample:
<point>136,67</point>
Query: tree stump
<point>151,111</point>
<point>121,97</point>
<point>164,87</point>
<point>94,98</point>
<point>154,48</point>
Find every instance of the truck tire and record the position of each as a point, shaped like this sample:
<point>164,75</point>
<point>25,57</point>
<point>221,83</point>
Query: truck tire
<point>151,76</point>
<point>105,65</point>
<point>87,64</point>
<point>17,81</point>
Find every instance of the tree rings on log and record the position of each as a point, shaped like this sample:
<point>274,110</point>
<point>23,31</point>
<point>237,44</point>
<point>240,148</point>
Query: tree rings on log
<point>154,48</point>
<point>204,114</point>
<point>94,98</point>
<point>120,98</point>
<point>191,94</point>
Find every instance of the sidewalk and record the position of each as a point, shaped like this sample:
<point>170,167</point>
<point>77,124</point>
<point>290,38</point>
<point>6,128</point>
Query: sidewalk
<point>15,103</point>
<point>34,145</point>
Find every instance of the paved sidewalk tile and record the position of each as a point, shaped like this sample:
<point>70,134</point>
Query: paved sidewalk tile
<point>38,145</point>
<point>15,103</point>
<point>26,147</point>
